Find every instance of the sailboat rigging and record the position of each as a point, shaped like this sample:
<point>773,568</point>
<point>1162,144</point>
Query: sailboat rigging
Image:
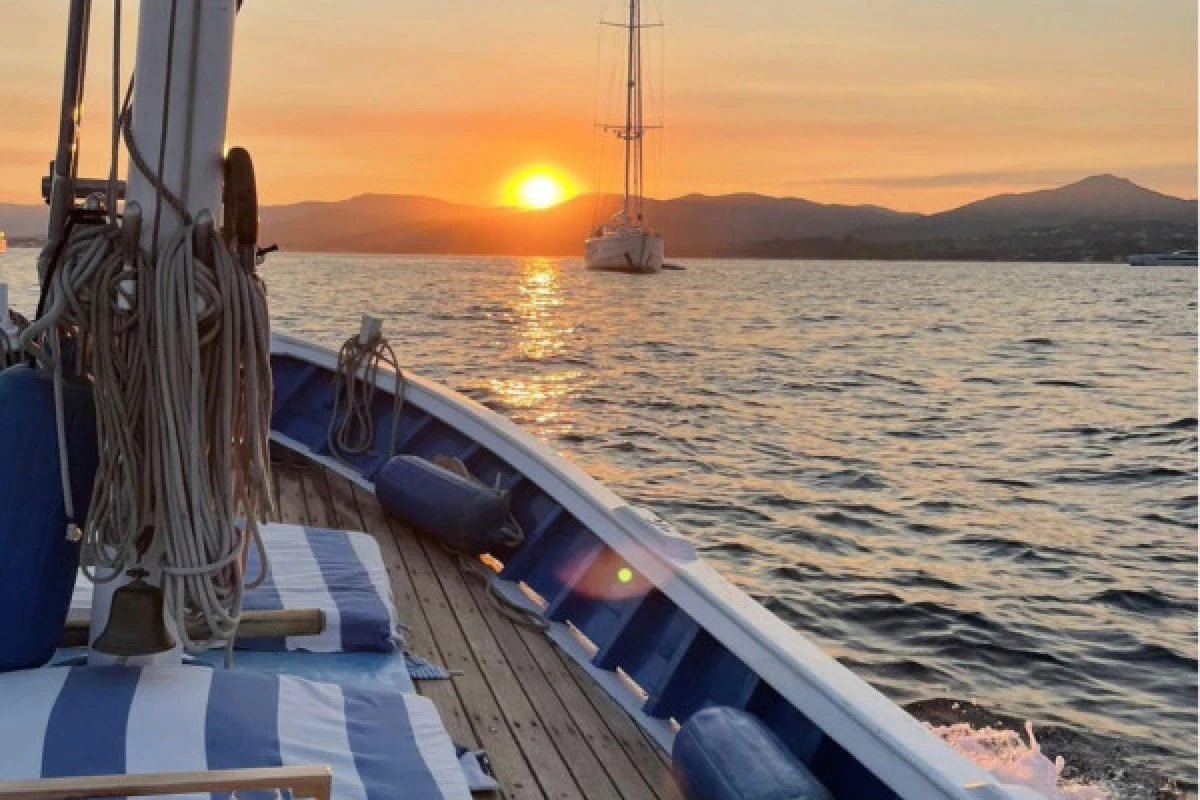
<point>625,243</point>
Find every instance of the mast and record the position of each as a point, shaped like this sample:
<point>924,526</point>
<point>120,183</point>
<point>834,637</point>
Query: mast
<point>180,109</point>
<point>638,127</point>
<point>632,84</point>
<point>632,131</point>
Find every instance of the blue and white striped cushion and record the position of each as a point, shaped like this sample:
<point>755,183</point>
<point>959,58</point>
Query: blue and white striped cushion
<point>340,572</point>
<point>64,721</point>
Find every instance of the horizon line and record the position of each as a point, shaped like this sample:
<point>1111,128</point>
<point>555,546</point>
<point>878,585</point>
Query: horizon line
<point>749,193</point>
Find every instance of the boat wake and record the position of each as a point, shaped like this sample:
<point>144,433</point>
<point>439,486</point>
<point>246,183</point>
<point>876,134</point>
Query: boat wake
<point>1060,763</point>
<point>1013,761</point>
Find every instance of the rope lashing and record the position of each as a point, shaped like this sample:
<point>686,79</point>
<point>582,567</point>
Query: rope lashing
<point>352,431</point>
<point>474,568</point>
<point>182,388</point>
<point>177,347</point>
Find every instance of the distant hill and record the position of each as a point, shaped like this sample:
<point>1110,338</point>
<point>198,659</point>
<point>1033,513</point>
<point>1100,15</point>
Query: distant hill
<point>1103,217</point>
<point>693,225</point>
<point>1104,199</point>
<point>21,222</point>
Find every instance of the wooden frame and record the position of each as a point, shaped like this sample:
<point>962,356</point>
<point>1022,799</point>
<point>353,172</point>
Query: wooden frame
<point>309,782</point>
<point>253,624</point>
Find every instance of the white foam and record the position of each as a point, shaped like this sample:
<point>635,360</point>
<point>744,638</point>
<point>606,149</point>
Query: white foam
<point>1004,754</point>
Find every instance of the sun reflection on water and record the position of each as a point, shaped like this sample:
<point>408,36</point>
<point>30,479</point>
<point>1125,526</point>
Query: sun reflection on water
<point>542,333</point>
<point>542,329</point>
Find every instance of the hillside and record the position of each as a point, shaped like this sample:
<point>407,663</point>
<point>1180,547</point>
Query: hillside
<point>1099,218</point>
<point>694,225</point>
<point>1099,199</point>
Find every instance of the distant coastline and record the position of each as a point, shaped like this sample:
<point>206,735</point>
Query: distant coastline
<point>1101,219</point>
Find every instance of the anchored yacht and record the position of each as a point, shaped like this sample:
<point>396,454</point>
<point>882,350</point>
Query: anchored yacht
<point>625,243</point>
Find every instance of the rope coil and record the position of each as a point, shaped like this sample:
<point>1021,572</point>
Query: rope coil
<point>178,351</point>
<point>179,354</point>
<point>352,432</point>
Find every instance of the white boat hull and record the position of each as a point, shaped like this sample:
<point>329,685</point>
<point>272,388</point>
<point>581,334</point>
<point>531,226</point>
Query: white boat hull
<point>625,251</point>
<point>1166,260</point>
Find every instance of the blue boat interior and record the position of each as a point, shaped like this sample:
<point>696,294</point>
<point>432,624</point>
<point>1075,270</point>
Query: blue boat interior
<point>678,667</point>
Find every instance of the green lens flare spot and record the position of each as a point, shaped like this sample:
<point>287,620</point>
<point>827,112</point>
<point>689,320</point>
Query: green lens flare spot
<point>624,574</point>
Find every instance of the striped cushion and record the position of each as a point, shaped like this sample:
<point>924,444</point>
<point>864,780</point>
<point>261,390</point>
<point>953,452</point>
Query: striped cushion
<point>340,572</point>
<point>64,721</point>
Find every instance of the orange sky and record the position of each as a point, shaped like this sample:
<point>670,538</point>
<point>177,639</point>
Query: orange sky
<point>913,104</point>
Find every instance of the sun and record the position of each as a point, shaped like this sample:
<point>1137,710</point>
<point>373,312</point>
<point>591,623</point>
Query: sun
<point>540,191</point>
<point>538,188</point>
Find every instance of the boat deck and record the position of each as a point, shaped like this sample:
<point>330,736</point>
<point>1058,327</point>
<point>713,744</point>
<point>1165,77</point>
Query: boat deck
<point>550,732</point>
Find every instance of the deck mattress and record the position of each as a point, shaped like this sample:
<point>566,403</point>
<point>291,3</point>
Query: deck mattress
<point>340,572</point>
<point>72,721</point>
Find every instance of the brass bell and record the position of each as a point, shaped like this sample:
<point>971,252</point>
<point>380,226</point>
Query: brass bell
<point>135,621</point>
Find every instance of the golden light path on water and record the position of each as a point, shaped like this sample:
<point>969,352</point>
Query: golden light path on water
<point>541,331</point>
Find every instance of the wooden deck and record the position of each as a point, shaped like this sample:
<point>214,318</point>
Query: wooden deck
<point>550,732</point>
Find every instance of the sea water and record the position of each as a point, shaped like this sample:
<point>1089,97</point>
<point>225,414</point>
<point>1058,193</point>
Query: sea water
<point>966,481</point>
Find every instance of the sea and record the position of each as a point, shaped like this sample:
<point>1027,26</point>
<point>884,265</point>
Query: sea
<point>972,482</point>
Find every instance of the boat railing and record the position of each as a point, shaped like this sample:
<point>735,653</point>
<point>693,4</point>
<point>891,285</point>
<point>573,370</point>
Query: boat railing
<point>313,782</point>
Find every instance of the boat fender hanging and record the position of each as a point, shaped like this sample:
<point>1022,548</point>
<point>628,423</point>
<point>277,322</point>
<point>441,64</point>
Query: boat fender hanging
<point>37,572</point>
<point>724,753</point>
<point>465,514</point>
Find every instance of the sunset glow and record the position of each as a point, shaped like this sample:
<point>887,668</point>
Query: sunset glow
<point>536,189</point>
<point>916,106</point>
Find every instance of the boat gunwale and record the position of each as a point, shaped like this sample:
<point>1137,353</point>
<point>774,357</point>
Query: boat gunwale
<point>884,738</point>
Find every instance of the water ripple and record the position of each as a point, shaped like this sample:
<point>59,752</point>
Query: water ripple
<point>967,481</point>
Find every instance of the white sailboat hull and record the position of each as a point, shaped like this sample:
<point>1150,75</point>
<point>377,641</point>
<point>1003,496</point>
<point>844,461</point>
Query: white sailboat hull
<point>625,251</point>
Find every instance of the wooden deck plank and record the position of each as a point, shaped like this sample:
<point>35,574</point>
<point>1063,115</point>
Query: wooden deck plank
<point>537,740</point>
<point>292,508</point>
<point>316,497</point>
<point>649,757</point>
<point>369,517</point>
<point>635,780</point>
<point>491,727</point>
<point>419,639</point>
<point>577,743</point>
<point>549,730</point>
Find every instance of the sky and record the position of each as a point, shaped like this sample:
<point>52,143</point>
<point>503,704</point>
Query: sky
<point>913,104</point>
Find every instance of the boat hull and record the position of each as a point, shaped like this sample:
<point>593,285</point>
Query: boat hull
<point>625,251</point>
<point>1170,260</point>
<point>664,638</point>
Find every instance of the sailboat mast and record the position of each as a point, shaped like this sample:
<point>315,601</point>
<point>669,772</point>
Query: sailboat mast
<point>630,86</point>
<point>639,129</point>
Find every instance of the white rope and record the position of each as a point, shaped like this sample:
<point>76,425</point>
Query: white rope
<point>211,408</point>
<point>353,432</point>
<point>178,352</point>
<point>182,389</point>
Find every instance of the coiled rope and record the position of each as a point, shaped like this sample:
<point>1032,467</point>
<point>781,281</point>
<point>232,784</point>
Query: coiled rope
<point>178,348</point>
<point>352,432</point>
<point>182,389</point>
<point>211,403</point>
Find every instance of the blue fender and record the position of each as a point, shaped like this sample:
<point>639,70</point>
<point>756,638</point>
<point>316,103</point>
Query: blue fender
<point>466,515</point>
<point>38,567</point>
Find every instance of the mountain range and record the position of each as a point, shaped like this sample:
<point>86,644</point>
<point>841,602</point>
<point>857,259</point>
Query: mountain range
<point>1100,217</point>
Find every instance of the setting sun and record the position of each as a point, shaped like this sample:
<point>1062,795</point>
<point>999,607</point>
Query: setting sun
<point>538,188</point>
<point>540,191</point>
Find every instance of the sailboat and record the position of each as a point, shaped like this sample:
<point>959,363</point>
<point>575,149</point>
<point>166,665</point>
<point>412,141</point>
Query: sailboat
<point>594,656</point>
<point>625,243</point>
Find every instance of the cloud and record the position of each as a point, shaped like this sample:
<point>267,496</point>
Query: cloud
<point>1174,173</point>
